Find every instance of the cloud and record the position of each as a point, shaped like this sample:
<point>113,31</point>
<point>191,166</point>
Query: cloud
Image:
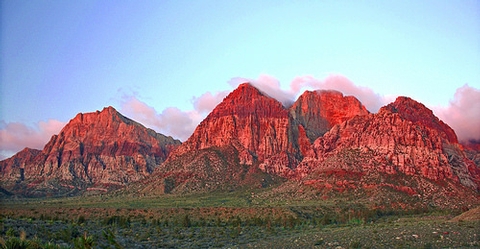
<point>171,121</point>
<point>15,136</point>
<point>271,86</point>
<point>463,113</point>
<point>372,101</point>
<point>207,101</point>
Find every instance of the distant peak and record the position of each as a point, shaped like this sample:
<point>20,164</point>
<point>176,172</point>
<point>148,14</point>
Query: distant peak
<point>247,89</point>
<point>329,92</point>
<point>408,106</point>
<point>108,109</point>
<point>417,112</point>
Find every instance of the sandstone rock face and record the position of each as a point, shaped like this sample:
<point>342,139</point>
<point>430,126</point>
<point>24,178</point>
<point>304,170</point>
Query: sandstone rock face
<point>324,139</point>
<point>319,111</point>
<point>94,150</point>
<point>255,124</point>
<point>403,138</point>
<point>14,167</point>
<point>260,133</point>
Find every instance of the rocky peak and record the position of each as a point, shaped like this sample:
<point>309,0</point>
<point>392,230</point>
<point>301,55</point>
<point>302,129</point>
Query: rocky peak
<point>247,100</point>
<point>403,138</point>
<point>318,111</point>
<point>102,148</point>
<point>247,128</point>
<point>418,113</point>
<point>256,124</point>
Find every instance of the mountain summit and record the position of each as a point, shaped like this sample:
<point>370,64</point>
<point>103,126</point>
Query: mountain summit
<point>251,132</point>
<point>324,144</point>
<point>99,150</point>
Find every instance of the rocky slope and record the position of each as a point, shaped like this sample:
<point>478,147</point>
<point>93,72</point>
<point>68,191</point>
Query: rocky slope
<point>94,151</point>
<point>318,111</point>
<point>324,144</point>
<point>403,147</point>
<point>329,143</point>
<point>254,131</point>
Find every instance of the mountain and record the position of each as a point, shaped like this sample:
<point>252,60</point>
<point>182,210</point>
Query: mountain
<point>247,127</point>
<point>318,111</point>
<point>249,133</point>
<point>325,143</point>
<point>94,151</point>
<point>403,147</point>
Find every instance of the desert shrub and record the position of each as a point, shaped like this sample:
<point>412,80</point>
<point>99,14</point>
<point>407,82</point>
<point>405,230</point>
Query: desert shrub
<point>11,232</point>
<point>14,242</point>
<point>117,221</point>
<point>84,242</point>
<point>81,219</point>
<point>110,237</point>
<point>67,234</point>
<point>186,222</point>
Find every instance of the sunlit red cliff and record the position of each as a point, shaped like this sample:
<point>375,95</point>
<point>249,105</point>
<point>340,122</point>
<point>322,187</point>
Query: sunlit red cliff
<point>325,142</point>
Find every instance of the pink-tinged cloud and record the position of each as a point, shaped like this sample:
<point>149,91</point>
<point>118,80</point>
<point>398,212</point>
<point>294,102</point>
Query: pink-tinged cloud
<point>171,121</point>
<point>15,136</point>
<point>463,113</point>
<point>271,86</point>
<point>372,101</point>
<point>207,101</point>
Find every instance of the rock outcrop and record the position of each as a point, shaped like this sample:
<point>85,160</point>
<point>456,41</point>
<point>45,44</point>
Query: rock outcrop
<point>318,111</point>
<point>405,137</point>
<point>259,133</point>
<point>245,129</point>
<point>325,141</point>
<point>403,142</point>
<point>99,150</point>
<point>254,123</point>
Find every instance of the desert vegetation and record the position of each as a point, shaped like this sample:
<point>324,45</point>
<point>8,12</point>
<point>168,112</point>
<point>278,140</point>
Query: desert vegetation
<point>226,220</point>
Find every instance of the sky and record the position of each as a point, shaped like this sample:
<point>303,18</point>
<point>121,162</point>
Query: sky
<point>166,64</point>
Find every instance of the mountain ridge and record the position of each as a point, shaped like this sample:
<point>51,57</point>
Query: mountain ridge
<point>325,142</point>
<point>101,150</point>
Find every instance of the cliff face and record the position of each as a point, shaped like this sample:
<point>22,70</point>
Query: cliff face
<point>325,141</point>
<point>245,129</point>
<point>319,111</point>
<point>255,124</point>
<point>94,150</point>
<point>256,132</point>
<point>401,141</point>
<point>403,147</point>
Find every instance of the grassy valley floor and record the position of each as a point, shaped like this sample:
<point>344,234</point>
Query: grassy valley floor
<point>226,220</point>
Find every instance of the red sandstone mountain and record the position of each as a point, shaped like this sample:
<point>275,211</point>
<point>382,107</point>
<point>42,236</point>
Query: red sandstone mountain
<point>403,147</point>
<point>319,111</point>
<point>246,128</point>
<point>98,150</point>
<point>324,143</point>
<point>254,131</point>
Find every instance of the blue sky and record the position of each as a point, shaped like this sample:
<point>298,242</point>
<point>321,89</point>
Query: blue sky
<point>167,63</point>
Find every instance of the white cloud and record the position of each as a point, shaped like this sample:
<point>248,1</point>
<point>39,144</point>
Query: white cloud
<point>171,121</point>
<point>15,136</point>
<point>463,113</point>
